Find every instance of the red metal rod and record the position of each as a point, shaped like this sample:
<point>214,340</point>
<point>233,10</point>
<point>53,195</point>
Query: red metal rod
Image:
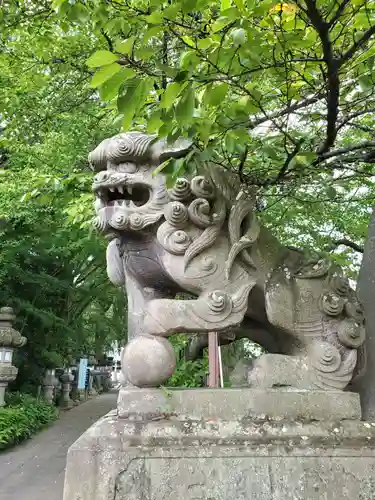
<point>213,360</point>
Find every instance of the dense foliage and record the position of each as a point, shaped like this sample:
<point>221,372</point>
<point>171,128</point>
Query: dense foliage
<point>52,267</point>
<point>280,93</point>
<point>188,373</point>
<point>23,417</point>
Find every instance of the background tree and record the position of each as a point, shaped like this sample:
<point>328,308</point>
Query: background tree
<point>52,268</point>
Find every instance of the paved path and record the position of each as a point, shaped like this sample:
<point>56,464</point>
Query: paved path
<point>35,469</point>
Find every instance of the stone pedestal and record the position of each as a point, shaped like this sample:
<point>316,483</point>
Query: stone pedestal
<point>91,389</point>
<point>50,383</point>
<point>225,444</point>
<point>3,386</point>
<point>107,381</point>
<point>66,380</point>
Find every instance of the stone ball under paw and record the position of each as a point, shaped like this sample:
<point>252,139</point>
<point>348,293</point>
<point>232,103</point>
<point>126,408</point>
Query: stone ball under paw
<point>148,361</point>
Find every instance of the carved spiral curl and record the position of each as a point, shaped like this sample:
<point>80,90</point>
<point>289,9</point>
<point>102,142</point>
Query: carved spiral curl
<point>326,358</point>
<point>331,304</point>
<point>127,146</point>
<point>174,241</point>
<point>136,221</point>
<point>314,269</point>
<point>199,213</point>
<point>218,301</point>
<point>181,191</point>
<point>209,235</point>
<point>209,264</point>
<point>351,334</point>
<point>340,285</point>
<point>176,214</point>
<point>202,187</point>
<point>119,221</point>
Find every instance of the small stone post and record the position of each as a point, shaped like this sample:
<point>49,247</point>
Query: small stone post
<point>66,380</point>
<point>9,340</point>
<point>91,389</point>
<point>49,384</point>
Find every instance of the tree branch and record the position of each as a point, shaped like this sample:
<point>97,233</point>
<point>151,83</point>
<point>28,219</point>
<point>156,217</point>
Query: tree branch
<point>348,149</point>
<point>347,243</point>
<point>357,45</point>
<point>242,163</point>
<point>333,81</point>
<point>339,12</point>
<point>285,111</point>
<point>289,158</point>
<point>109,41</point>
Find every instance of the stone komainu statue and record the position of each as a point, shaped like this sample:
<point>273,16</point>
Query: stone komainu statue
<point>202,237</point>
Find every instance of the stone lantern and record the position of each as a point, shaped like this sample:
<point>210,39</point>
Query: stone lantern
<point>66,379</point>
<point>10,339</point>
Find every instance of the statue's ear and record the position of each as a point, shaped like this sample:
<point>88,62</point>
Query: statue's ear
<point>98,157</point>
<point>161,150</point>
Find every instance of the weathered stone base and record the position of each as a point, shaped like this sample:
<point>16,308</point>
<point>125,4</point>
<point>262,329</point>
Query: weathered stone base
<point>172,458</point>
<point>234,404</point>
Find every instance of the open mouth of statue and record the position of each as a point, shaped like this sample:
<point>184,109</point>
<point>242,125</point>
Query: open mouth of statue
<point>135,194</point>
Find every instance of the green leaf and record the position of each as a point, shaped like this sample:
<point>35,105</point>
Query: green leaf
<point>110,88</point>
<point>173,10</point>
<point>126,46</point>
<point>188,5</point>
<point>104,74</point>
<point>78,12</point>
<point>170,94</point>
<point>370,52</point>
<point>215,95</point>
<point>365,82</point>
<point>240,4</point>
<point>331,192</point>
<point>204,43</point>
<point>57,3</point>
<point>134,99</point>
<point>101,58</point>
<point>188,41</point>
<point>185,107</point>
<point>225,4</point>
<point>154,122</point>
<point>220,23</point>
<point>145,53</point>
<point>152,32</point>
<point>181,76</point>
<point>155,18</point>
<point>189,59</point>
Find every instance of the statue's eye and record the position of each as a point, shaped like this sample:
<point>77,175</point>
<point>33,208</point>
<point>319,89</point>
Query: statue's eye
<point>126,168</point>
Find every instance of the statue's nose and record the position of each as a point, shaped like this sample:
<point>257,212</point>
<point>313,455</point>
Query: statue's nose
<point>101,177</point>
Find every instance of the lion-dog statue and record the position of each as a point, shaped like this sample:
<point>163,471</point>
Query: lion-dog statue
<point>201,237</point>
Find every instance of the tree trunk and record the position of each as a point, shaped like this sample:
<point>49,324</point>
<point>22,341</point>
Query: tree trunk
<point>365,385</point>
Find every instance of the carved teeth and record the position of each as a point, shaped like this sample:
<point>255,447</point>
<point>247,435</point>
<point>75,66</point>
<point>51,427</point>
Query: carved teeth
<point>130,189</point>
<point>112,189</point>
<point>120,189</point>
